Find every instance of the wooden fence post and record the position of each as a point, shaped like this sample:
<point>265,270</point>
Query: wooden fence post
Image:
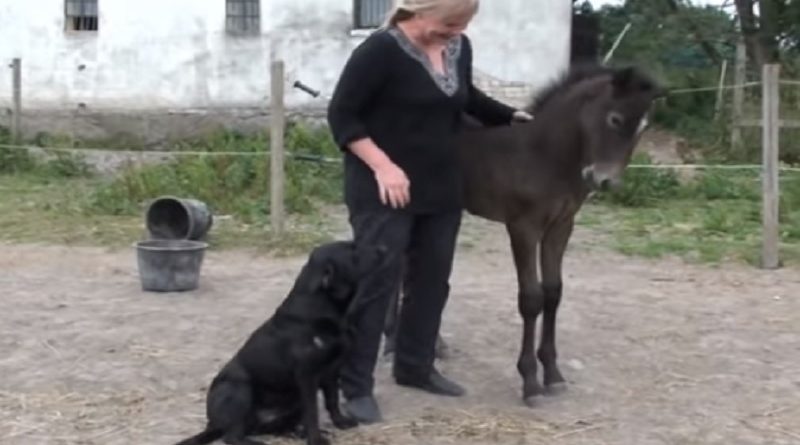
<point>16,87</point>
<point>276,147</point>
<point>770,131</point>
<point>720,90</point>
<point>740,76</point>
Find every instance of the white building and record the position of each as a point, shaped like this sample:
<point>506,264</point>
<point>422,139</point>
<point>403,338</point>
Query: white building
<point>105,56</point>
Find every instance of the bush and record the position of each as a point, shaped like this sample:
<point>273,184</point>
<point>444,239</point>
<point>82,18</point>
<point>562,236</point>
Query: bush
<point>733,184</point>
<point>13,160</point>
<point>230,184</point>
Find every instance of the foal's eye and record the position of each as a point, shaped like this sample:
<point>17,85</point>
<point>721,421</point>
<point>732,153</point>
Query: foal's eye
<point>615,120</point>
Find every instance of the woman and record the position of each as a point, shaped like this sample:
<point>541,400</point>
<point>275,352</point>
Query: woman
<point>394,112</point>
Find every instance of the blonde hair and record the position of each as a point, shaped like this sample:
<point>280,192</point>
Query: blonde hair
<point>406,9</point>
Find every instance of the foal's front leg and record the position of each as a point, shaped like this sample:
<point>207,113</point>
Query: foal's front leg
<point>524,239</point>
<point>553,246</point>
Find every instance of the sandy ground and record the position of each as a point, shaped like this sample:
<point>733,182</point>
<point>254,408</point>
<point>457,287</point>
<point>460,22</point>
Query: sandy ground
<point>656,352</point>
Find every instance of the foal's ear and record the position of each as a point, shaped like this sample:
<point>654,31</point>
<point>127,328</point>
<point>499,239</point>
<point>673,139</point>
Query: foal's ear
<point>622,78</point>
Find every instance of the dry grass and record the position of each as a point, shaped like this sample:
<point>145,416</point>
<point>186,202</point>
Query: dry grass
<point>81,418</point>
<point>70,417</point>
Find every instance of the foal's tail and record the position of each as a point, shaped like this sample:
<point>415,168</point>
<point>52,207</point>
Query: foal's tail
<point>207,436</point>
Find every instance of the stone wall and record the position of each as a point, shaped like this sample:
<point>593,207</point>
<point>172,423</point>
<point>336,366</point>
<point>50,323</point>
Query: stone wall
<point>152,128</point>
<point>517,94</point>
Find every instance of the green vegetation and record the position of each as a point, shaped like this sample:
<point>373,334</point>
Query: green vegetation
<point>713,216</point>
<point>57,197</point>
<point>685,50</point>
<point>231,184</point>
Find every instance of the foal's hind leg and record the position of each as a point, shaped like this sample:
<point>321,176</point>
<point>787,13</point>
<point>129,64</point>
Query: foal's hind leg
<point>553,246</point>
<point>524,240</point>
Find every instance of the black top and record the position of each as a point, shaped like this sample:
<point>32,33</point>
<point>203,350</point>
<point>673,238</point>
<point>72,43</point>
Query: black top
<point>389,91</point>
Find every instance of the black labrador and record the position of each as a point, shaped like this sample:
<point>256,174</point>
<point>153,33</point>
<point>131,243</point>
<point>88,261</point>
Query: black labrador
<point>270,386</point>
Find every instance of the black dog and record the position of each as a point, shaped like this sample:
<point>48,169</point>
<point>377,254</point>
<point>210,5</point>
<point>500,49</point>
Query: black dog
<point>292,355</point>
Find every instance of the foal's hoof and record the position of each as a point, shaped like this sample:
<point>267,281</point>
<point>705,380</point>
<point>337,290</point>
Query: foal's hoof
<point>532,391</point>
<point>555,389</point>
<point>532,401</point>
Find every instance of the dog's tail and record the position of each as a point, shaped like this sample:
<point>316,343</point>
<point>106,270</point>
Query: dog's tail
<point>207,436</point>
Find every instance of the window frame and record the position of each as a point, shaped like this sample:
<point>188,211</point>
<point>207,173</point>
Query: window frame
<point>83,21</point>
<point>358,13</point>
<point>245,23</point>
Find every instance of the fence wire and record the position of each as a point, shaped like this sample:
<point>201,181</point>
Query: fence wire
<point>307,155</point>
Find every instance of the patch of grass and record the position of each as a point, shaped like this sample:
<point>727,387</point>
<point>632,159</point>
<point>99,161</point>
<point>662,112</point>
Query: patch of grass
<point>56,198</point>
<point>713,218</point>
<point>37,209</point>
<point>230,184</point>
<point>52,163</point>
<point>692,229</point>
<point>34,208</point>
<point>13,160</point>
<point>119,141</point>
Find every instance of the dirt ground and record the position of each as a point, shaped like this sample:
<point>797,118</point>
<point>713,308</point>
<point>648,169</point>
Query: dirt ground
<point>656,352</point>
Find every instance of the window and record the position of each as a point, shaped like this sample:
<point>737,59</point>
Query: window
<point>243,17</point>
<point>370,13</point>
<point>81,15</point>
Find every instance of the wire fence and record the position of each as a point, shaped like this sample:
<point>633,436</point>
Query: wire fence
<point>770,122</point>
<point>321,98</point>
<point>308,155</point>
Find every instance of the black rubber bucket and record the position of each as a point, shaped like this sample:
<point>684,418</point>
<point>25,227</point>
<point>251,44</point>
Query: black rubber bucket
<point>169,217</point>
<point>170,265</point>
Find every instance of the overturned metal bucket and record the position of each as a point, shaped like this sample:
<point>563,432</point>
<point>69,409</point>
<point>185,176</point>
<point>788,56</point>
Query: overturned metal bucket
<point>170,217</point>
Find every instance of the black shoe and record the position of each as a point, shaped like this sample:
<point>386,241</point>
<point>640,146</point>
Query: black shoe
<point>434,383</point>
<point>364,409</point>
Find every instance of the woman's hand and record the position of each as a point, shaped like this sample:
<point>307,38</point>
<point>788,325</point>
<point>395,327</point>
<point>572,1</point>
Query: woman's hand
<point>393,185</point>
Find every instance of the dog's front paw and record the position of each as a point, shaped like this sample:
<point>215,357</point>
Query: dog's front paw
<point>344,422</point>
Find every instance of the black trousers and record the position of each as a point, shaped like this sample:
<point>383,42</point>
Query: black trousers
<point>422,247</point>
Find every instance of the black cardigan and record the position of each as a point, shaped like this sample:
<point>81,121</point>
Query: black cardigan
<point>388,92</point>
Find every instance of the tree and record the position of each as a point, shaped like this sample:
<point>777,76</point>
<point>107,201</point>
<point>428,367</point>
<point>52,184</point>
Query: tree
<point>770,28</point>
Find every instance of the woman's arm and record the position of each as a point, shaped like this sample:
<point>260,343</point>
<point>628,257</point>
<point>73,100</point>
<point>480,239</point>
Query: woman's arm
<point>363,75</point>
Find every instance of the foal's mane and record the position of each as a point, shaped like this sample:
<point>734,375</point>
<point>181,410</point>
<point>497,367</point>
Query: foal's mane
<point>564,84</point>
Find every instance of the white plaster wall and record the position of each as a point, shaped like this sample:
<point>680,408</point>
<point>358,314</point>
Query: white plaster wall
<point>522,40</point>
<point>155,54</point>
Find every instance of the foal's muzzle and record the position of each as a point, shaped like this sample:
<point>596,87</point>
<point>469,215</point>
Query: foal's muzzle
<point>599,179</point>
